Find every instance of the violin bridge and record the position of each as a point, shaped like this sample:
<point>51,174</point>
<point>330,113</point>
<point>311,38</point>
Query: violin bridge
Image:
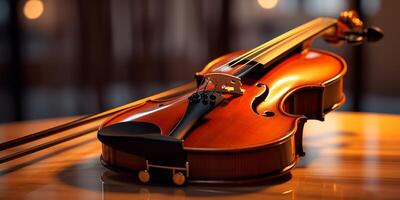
<point>225,83</point>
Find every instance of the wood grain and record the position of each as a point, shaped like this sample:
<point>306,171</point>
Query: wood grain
<point>349,156</point>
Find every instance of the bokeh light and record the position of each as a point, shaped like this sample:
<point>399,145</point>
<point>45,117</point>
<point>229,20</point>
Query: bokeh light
<point>268,4</point>
<point>33,9</point>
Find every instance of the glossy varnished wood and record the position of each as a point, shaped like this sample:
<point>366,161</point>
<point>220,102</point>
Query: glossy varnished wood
<point>350,155</point>
<point>236,140</point>
<point>309,69</point>
<point>242,127</point>
<point>257,129</point>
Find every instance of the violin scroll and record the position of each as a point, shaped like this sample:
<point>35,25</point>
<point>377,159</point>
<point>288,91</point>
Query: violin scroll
<point>351,29</point>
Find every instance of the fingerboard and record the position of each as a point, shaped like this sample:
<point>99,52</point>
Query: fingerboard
<point>273,49</point>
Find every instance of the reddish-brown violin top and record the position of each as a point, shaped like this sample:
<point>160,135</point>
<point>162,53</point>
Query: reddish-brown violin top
<point>243,120</point>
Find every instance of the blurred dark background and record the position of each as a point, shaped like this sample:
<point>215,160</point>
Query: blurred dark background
<point>74,57</point>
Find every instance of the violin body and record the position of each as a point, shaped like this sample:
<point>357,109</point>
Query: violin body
<point>243,122</point>
<point>236,142</point>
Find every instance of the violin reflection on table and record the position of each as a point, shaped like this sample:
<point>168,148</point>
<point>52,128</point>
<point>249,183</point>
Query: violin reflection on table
<point>235,132</point>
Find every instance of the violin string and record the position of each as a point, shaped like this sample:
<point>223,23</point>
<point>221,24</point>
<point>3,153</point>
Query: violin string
<point>279,42</point>
<point>287,39</point>
<point>245,55</point>
<point>270,49</point>
<point>296,32</point>
<point>267,45</point>
<point>205,87</point>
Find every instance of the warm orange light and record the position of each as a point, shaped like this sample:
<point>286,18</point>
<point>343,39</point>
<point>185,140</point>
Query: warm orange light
<point>33,9</point>
<point>268,4</point>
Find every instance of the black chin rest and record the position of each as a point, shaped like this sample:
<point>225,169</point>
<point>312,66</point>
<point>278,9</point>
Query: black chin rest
<point>145,140</point>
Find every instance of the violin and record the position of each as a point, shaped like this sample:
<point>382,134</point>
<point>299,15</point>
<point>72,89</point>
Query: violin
<point>240,122</point>
<point>243,120</point>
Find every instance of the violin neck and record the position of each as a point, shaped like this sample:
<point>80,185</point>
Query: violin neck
<point>274,49</point>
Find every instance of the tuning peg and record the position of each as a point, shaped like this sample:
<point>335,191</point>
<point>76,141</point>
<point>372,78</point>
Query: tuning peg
<point>373,34</point>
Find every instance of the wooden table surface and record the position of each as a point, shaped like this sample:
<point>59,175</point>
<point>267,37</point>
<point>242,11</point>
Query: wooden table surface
<point>349,156</point>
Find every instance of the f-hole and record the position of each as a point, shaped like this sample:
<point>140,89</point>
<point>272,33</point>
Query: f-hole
<point>260,98</point>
